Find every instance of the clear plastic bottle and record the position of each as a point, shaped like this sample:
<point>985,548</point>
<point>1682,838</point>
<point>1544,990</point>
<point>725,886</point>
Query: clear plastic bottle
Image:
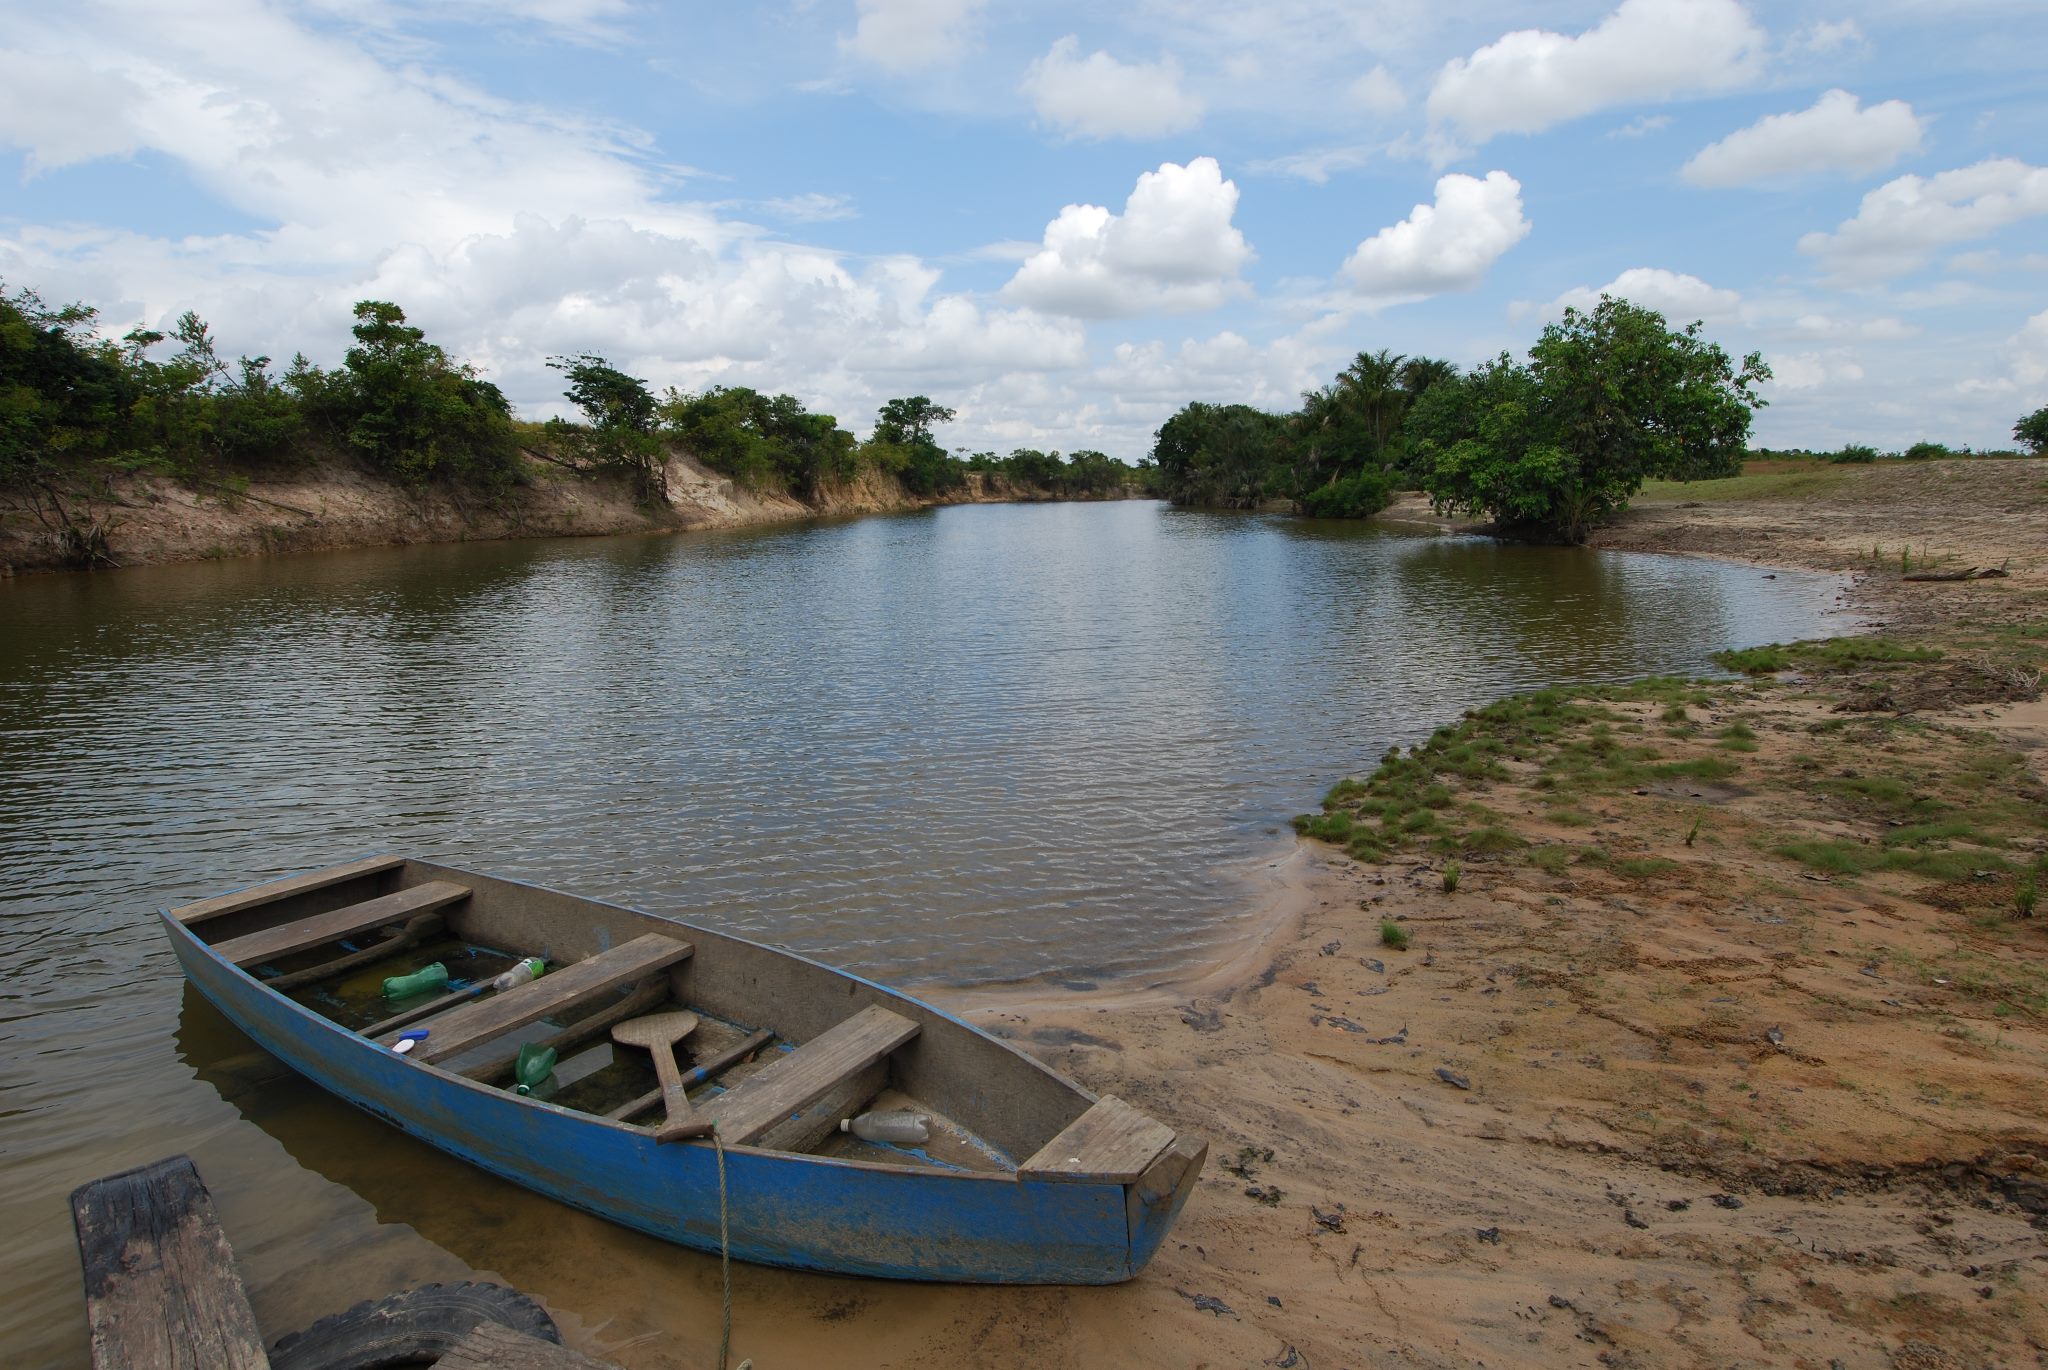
<point>897,1125</point>
<point>521,972</point>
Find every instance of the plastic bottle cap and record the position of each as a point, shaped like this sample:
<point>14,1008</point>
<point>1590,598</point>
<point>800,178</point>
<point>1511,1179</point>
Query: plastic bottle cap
<point>846,1124</point>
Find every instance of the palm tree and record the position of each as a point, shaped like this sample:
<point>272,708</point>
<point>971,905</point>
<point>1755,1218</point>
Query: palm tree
<point>1373,385</point>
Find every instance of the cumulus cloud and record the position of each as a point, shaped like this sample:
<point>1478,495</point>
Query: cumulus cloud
<point>1647,50</point>
<point>1905,221</point>
<point>1837,134</point>
<point>1172,250</point>
<point>1444,246</point>
<point>1099,97</point>
<point>910,35</point>
<point>1679,297</point>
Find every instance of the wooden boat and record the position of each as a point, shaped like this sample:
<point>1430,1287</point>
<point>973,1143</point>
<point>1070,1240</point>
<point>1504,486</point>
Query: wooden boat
<point>785,1049</point>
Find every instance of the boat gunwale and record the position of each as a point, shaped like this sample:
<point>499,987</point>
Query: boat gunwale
<point>167,915</point>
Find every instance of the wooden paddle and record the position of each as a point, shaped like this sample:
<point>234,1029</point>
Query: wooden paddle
<point>659,1033</point>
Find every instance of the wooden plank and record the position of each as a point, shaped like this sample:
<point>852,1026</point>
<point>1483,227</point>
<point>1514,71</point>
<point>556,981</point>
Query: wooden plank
<point>1112,1142</point>
<point>499,1065</point>
<point>819,1119</point>
<point>495,1347</point>
<point>788,1089</point>
<point>463,1027</point>
<point>322,928</point>
<point>416,930</point>
<point>161,1291</point>
<point>189,914</point>
<point>696,1075</point>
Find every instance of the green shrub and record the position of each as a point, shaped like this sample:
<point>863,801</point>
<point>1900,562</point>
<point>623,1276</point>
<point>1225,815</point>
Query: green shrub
<point>1453,873</point>
<point>1755,660</point>
<point>1393,935</point>
<point>1355,497</point>
<point>1853,454</point>
<point>1927,451</point>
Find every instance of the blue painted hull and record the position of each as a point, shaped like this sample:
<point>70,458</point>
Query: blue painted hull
<point>805,1212</point>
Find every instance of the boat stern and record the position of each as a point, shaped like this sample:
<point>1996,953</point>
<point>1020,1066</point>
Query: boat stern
<point>1154,1200</point>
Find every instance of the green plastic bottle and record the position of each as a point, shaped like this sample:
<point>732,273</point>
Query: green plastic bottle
<point>419,982</point>
<point>536,1063</point>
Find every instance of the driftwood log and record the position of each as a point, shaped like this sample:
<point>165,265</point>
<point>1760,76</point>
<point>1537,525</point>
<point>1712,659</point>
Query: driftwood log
<point>161,1292</point>
<point>1973,573</point>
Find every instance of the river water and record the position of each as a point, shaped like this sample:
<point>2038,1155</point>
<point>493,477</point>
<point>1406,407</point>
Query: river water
<point>973,745</point>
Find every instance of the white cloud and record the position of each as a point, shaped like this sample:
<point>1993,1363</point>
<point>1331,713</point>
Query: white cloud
<point>2028,351</point>
<point>1903,222</point>
<point>1099,97</point>
<point>1837,134</point>
<point>1883,329</point>
<point>1812,370</point>
<point>1679,297</point>
<point>1445,246</point>
<point>1641,126</point>
<point>1990,261</point>
<point>910,35</point>
<point>1647,50</point>
<point>812,207</point>
<point>1172,250</point>
<point>1316,164</point>
<point>1826,37</point>
<point>62,111</point>
<point>1378,92</point>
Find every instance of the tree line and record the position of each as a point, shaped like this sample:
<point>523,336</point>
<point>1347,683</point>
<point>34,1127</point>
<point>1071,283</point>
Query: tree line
<point>75,403</point>
<point>1551,444</point>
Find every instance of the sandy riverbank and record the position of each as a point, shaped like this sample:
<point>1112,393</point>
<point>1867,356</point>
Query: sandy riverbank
<point>1635,1101</point>
<point>340,503</point>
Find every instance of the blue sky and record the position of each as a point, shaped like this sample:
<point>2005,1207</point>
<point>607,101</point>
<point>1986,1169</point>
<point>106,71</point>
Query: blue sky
<point>1065,221</point>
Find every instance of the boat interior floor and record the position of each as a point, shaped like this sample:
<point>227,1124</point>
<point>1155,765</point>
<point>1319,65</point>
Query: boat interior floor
<point>763,1091</point>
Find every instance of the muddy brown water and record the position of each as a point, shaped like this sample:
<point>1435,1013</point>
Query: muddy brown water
<point>976,746</point>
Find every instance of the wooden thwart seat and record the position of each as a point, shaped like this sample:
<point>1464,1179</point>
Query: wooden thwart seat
<point>1110,1143</point>
<point>160,1284</point>
<point>317,931</point>
<point>791,1104</point>
<point>460,1028</point>
<point>282,889</point>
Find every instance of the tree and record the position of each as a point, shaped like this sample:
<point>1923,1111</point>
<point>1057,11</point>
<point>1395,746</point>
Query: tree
<point>417,414</point>
<point>2031,432</point>
<point>1607,400</point>
<point>1224,455</point>
<point>908,422</point>
<point>902,442</point>
<point>64,397</point>
<point>618,431</point>
<point>761,440</point>
<point>1372,389</point>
